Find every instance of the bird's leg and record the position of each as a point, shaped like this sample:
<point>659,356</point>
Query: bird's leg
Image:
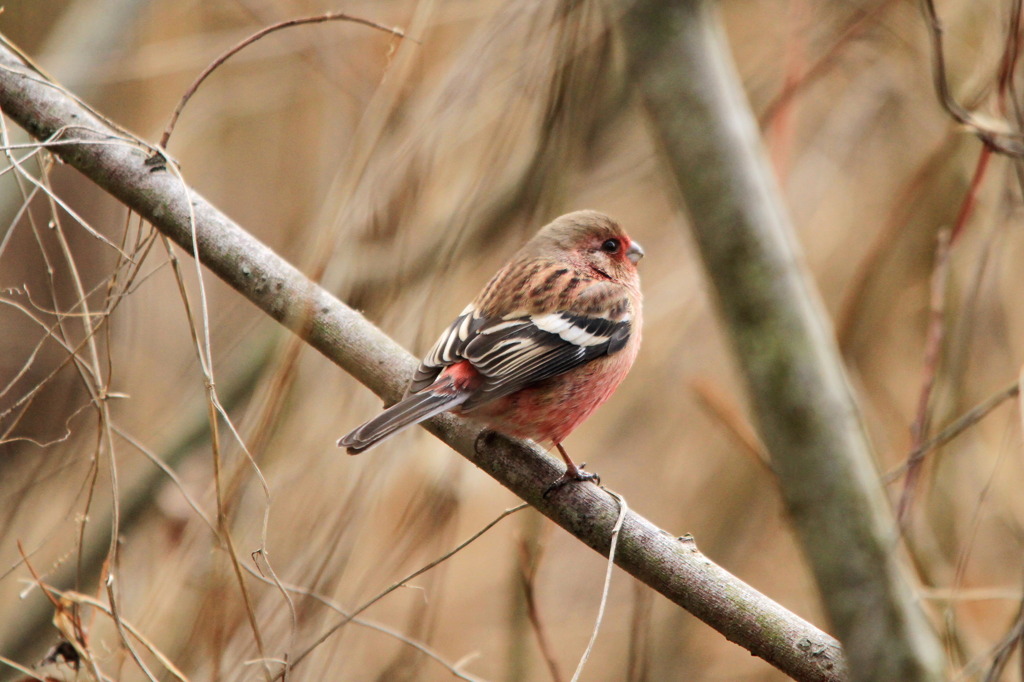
<point>572,473</point>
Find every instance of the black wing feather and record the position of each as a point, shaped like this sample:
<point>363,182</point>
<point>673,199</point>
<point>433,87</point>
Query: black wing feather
<point>513,352</point>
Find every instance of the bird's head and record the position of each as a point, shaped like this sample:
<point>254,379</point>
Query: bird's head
<point>592,240</point>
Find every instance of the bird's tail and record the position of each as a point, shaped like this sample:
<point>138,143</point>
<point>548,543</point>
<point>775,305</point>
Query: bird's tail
<point>409,411</point>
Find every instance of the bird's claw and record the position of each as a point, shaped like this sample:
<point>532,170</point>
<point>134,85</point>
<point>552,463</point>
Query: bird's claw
<point>572,475</point>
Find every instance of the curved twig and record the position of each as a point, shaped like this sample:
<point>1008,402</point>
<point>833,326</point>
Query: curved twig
<point>235,49</point>
<point>1007,141</point>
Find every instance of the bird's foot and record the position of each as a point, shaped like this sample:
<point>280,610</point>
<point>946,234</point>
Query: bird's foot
<point>572,474</point>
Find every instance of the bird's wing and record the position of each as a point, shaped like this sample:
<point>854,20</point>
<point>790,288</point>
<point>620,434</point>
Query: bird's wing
<point>447,350</point>
<point>519,349</point>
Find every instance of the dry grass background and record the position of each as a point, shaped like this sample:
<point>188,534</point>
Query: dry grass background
<point>406,173</point>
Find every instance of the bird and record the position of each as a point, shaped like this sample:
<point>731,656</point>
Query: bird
<point>544,344</point>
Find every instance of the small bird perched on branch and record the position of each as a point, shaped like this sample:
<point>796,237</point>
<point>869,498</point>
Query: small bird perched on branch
<point>545,343</point>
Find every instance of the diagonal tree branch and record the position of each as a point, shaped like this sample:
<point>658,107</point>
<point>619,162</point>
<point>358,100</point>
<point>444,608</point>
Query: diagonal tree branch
<point>673,566</point>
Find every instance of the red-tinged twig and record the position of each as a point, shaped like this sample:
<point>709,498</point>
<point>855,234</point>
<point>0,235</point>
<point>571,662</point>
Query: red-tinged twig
<point>780,135</point>
<point>63,616</point>
<point>39,580</point>
<point>971,199</point>
<point>823,65</point>
<point>937,329</point>
<point>319,19</point>
<point>933,347</point>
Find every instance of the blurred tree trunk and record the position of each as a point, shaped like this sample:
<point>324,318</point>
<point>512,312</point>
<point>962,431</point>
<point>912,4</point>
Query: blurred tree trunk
<point>801,402</point>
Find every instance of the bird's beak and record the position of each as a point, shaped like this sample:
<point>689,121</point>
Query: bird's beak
<point>635,252</point>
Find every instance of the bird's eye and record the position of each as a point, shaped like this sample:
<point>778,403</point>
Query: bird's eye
<point>611,245</point>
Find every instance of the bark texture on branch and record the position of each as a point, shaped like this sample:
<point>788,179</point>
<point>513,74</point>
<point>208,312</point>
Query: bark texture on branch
<point>674,567</point>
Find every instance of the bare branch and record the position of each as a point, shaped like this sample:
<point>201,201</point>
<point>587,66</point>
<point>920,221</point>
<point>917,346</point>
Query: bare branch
<point>672,566</point>
<point>1004,138</point>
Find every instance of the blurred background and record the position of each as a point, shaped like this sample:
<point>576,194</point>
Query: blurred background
<point>401,174</point>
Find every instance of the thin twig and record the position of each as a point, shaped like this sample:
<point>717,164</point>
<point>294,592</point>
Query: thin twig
<point>90,370</point>
<point>453,668</point>
<point>122,631</point>
<point>971,198</point>
<point>129,628</point>
<point>932,353</point>
<point>824,63</point>
<point>1009,101</point>
<point>965,422</point>
<point>1007,646</point>
<point>74,633</point>
<point>204,355</point>
<point>329,16</point>
<point>169,472</point>
<point>528,571</point>
<point>66,207</point>
<point>623,507</point>
<point>1007,141</point>
<point>292,613</point>
<point>21,669</point>
<point>420,571</point>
